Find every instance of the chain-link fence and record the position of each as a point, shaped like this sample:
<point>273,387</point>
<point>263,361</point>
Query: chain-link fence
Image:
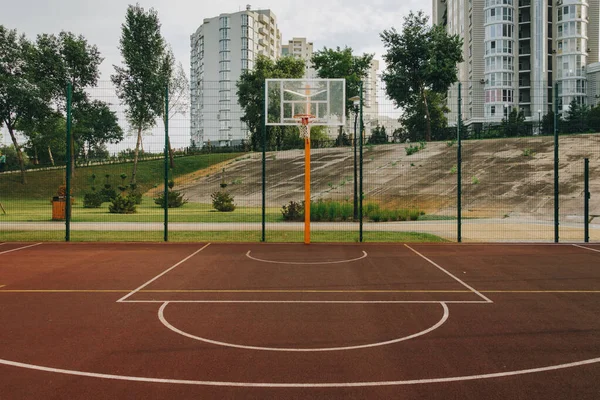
<point>497,183</point>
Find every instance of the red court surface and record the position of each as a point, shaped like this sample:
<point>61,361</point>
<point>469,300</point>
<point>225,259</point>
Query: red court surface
<point>290,321</point>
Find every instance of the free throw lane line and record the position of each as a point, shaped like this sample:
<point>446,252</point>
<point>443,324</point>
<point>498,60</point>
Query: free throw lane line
<point>306,263</point>
<point>161,274</point>
<point>161,317</point>
<point>301,385</point>
<point>587,248</point>
<point>449,274</point>
<point>19,248</point>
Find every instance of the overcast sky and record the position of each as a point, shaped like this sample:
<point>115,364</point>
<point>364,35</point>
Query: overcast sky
<point>327,23</point>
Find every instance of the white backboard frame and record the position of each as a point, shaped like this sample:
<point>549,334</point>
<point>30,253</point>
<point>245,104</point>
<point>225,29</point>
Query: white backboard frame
<point>326,99</point>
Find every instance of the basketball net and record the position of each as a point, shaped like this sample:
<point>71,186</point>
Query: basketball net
<point>304,121</point>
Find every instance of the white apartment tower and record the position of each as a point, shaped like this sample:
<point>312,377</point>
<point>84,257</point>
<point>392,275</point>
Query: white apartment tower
<point>516,50</point>
<point>300,48</point>
<point>221,49</point>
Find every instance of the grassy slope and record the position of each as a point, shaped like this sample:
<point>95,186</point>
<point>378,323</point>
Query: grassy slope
<point>42,185</point>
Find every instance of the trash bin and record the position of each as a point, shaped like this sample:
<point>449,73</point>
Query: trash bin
<point>59,209</point>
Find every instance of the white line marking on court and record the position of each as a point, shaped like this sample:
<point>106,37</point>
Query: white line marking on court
<point>316,301</point>
<point>587,248</point>
<point>163,273</point>
<point>161,317</point>
<point>306,263</point>
<point>449,274</point>
<point>301,385</point>
<point>19,248</point>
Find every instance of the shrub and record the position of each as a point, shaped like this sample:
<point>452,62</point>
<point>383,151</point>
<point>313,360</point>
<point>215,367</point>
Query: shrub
<point>122,205</point>
<point>175,198</point>
<point>293,211</point>
<point>222,201</point>
<point>411,150</point>
<point>107,194</point>
<point>92,200</point>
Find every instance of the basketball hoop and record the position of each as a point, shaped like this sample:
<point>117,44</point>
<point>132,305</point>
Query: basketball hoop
<point>304,121</point>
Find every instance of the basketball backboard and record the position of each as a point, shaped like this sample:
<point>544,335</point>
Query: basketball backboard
<point>325,99</point>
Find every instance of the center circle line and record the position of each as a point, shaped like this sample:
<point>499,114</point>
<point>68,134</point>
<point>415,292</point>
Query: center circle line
<point>306,263</point>
<point>166,323</point>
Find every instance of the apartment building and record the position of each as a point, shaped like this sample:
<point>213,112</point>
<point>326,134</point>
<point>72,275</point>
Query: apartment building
<point>516,50</point>
<point>221,49</point>
<point>302,49</point>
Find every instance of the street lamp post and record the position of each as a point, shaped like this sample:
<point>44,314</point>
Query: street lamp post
<point>355,102</point>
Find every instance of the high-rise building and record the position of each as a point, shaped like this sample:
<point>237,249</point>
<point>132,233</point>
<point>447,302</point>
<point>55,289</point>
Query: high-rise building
<point>300,48</point>
<point>516,50</point>
<point>221,49</point>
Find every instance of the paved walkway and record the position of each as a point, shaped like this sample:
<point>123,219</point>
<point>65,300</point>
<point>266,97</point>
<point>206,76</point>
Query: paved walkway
<point>476,230</point>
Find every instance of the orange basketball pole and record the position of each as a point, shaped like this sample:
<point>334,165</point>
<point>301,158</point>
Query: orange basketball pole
<point>306,190</point>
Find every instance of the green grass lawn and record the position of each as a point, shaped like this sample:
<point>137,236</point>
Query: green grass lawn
<point>220,236</point>
<point>42,185</point>
<point>41,210</point>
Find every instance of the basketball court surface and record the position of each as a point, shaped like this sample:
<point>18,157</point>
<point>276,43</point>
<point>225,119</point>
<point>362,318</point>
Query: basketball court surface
<point>291,321</point>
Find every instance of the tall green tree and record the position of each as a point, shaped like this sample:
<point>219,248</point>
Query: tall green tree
<point>251,95</point>
<point>20,97</point>
<point>142,80</point>
<point>61,60</point>
<point>420,60</point>
<point>94,125</point>
<point>342,63</point>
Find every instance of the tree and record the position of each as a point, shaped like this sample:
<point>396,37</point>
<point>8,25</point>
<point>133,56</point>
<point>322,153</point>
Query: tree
<point>46,136</point>
<point>341,63</point>
<point>515,124</point>
<point>576,117</point>
<point>20,98</point>
<point>594,118</point>
<point>251,95</point>
<point>63,59</point>
<point>378,135</point>
<point>420,60</point>
<point>142,80</point>
<point>94,125</point>
<point>414,119</point>
<point>179,94</point>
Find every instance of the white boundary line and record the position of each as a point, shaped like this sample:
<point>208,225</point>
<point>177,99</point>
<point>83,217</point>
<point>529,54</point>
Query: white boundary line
<point>449,274</point>
<point>317,301</point>
<point>161,317</point>
<point>306,263</point>
<point>19,248</point>
<point>587,248</point>
<point>122,299</point>
<point>301,385</point>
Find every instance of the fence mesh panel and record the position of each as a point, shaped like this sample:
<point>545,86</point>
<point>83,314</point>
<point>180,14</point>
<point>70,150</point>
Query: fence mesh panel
<point>410,187</point>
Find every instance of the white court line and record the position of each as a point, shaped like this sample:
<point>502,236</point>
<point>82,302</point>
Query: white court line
<point>587,248</point>
<point>317,301</point>
<point>301,385</point>
<point>306,263</point>
<point>449,274</point>
<point>20,248</point>
<point>161,317</point>
<point>158,276</point>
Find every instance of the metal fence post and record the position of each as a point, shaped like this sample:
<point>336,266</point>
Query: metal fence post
<point>360,189</point>
<point>556,189</point>
<point>166,192</point>
<point>586,201</point>
<point>459,168</point>
<point>264,170</point>
<point>68,166</point>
